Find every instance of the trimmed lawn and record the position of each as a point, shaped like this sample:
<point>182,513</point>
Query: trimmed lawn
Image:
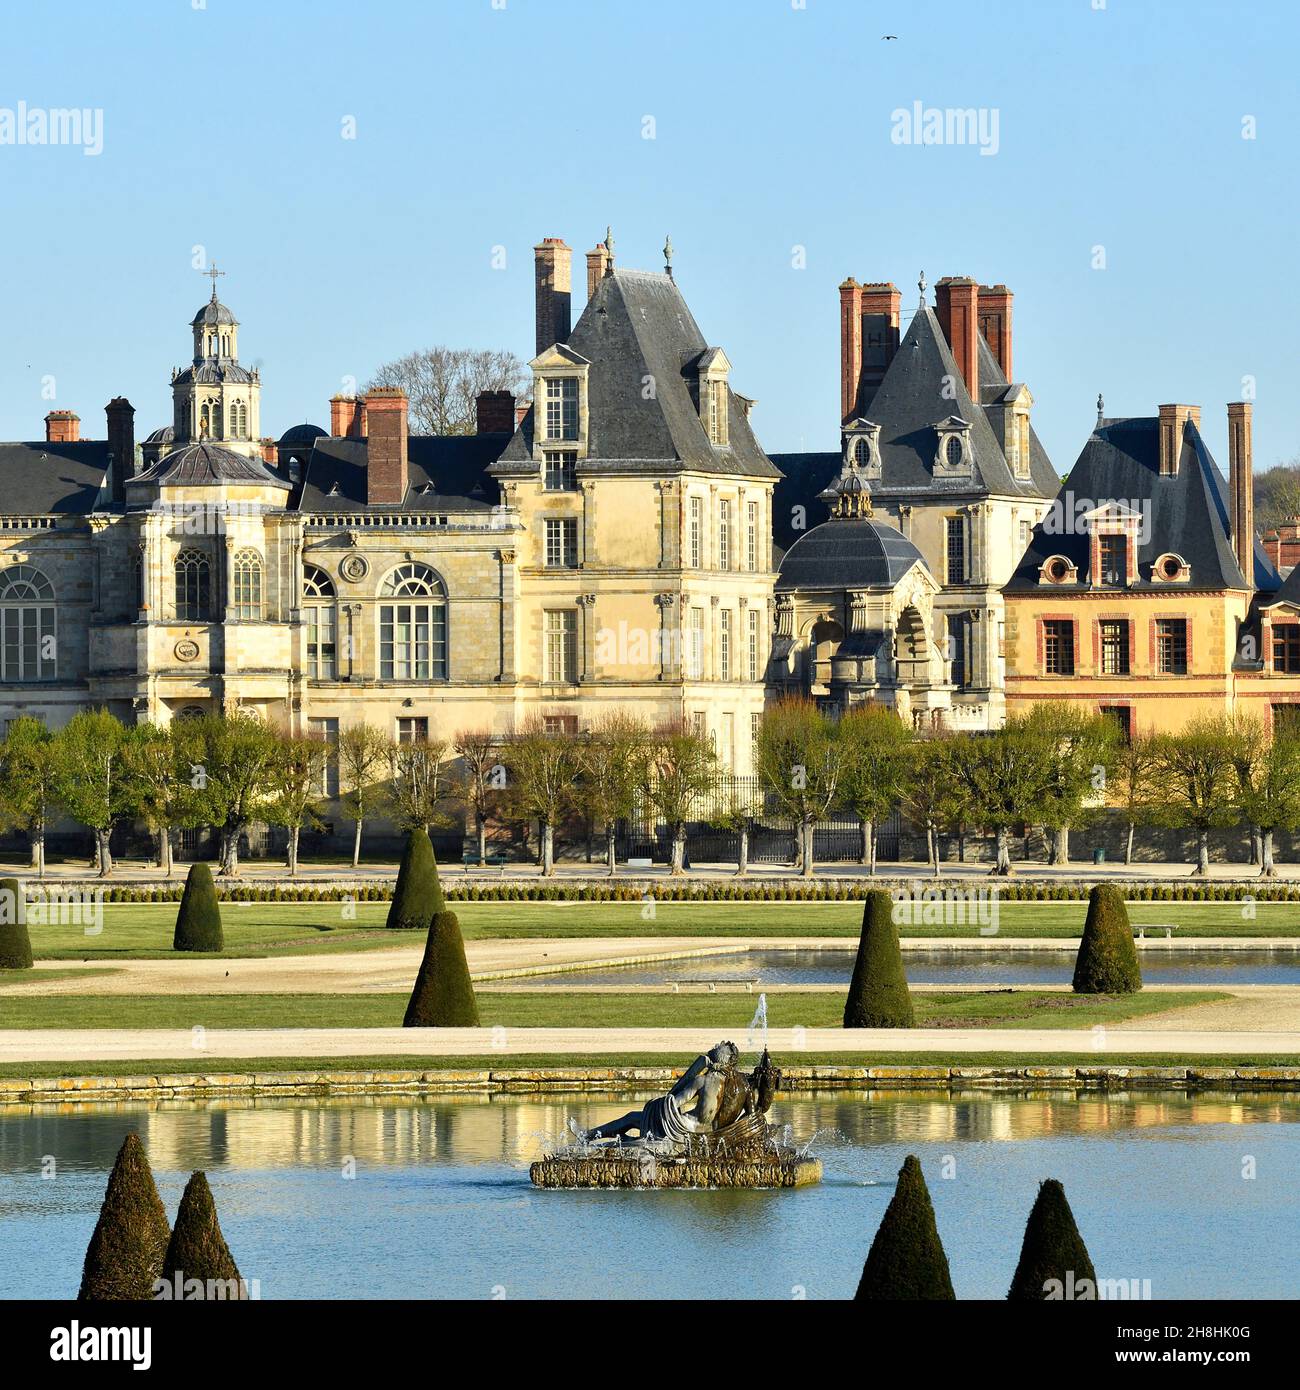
<point>885,1057</point>
<point>555,1008</point>
<point>144,930</point>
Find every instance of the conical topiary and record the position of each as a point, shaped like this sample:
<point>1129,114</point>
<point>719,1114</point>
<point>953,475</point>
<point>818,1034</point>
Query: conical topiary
<point>15,944</point>
<point>125,1255</point>
<point>418,894</point>
<point>443,996</point>
<point>878,996</point>
<point>907,1260</point>
<point>1053,1257</point>
<point>1107,962</point>
<point>198,922</point>
<point>198,1250</point>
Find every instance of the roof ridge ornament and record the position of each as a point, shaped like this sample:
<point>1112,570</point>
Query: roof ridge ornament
<point>1101,411</point>
<point>920,285</point>
<point>849,497</point>
<point>609,244</point>
<point>212,272</point>
<point>668,256</point>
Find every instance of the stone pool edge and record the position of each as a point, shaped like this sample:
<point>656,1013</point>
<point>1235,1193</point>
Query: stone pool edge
<point>505,1080</point>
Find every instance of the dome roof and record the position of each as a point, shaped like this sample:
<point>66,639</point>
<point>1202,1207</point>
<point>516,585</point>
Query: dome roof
<point>302,434</point>
<point>212,373</point>
<point>206,465</point>
<point>848,553</point>
<point>165,435</point>
<point>212,312</point>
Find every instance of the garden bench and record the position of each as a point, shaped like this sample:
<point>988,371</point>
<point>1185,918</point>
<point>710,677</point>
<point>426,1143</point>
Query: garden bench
<point>714,981</point>
<point>640,863</point>
<point>1143,927</point>
<point>493,861</point>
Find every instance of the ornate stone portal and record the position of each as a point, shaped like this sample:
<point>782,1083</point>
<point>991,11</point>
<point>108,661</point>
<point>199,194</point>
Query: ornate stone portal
<point>709,1130</point>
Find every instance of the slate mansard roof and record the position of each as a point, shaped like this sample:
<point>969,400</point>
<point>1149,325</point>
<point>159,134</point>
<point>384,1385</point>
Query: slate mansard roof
<point>908,404</point>
<point>40,479</point>
<point>446,473</point>
<point>207,465</point>
<point>636,330</point>
<point>1185,513</point>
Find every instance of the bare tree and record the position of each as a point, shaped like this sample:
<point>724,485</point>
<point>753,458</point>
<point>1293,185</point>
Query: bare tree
<point>365,755</point>
<point>421,780</point>
<point>611,772</point>
<point>541,767</point>
<point>480,780</point>
<point>443,384</point>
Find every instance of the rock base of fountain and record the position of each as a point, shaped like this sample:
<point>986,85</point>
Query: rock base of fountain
<point>636,1168</point>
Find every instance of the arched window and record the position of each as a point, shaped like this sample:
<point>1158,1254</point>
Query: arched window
<point>861,453</point>
<point>234,420</point>
<point>193,587</point>
<point>137,571</point>
<point>413,632</point>
<point>27,626</point>
<point>246,586</point>
<point>318,614</point>
<point>953,451</point>
<point>243,420</point>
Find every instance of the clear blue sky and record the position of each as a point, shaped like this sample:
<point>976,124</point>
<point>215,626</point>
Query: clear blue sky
<point>480,126</point>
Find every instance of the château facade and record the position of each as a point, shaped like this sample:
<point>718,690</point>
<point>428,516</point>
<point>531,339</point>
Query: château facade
<point>608,548</point>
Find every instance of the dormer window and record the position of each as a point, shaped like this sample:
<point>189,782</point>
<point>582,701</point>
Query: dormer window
<point>862,448</point>
<point>1171,569</point>
<point>1057,569</point>
<point>861,452</point>
<point>953,457</point>
<point>562,408</point>
<point>718,413</point>
<point>1114,531</point>
<point>1112,553</point>
<point>713,394</point>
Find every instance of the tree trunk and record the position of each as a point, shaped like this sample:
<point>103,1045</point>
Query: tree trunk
<point>932,838</point>
<point>480,824</point>
<point>809,830</point>
<point>742,852</point>
<point>294,832</point>
<point>1061,845</point>
<point>961,844</point>
<point>39,848</point>
<point>356,846</point>
<point>1128,844</point>
<point>548,849</point>
<point>230,853</point>
<point>1003,865</point>
<point>1267,868</point>
<point>679,850</point>
<point>104,854</point>
<point>165,850</point>
<point>36,852</point>
<point>864,833</point>
<point>611,853</point>
<point>1254,844</point>
<point>1202,854</point>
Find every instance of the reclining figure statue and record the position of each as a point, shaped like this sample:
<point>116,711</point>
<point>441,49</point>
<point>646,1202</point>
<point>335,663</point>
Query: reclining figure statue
<point>711,1096</point>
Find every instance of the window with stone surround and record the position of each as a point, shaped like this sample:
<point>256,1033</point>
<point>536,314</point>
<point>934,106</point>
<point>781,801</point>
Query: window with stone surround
<point>318,615</point>
<point>28,642</point>
<point>955,548</point>
<point>1114,647</point>
<point>413,729</point>
<point>1058,647</point>
<point>755,668</point>
<point>1171,646</point>
<point>724,534</point>
<point>413,629</point>
<point>562,408</point>
<point>560,474</point>
<point>561,543</point>
<point>560,658</point>
<point>327,732</point>
<point>1286,648</point>
<point>695,533</point>
<point>751,536</point>
<point>246,588</point>
<point>193,574</point>
<point>724,645</point>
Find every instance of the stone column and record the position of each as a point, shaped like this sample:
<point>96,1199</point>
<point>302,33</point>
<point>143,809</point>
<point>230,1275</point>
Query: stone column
<point>669,636</point>
<point>587,638</point>
<point>508,616</point>
<point>589,550</point>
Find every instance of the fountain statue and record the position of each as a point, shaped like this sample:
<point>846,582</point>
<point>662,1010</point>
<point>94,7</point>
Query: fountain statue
<point>709,1130</point>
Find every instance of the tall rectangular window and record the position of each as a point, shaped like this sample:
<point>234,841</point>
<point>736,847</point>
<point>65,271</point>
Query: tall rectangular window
<point>1058,647</point>
<point>1122,718</point>
<point>955,549</point>
<point>724,534</point>
<point>718,412</point>
<point>1286,648</point>
<point>724,645</point>
<point>693,657</point>
<point>1171,646</point>
<point>754,634</point>
<point>561,543</point>
<point>1112,552</point>
<point>561,657</point>
<point>320,642</point>
<point>560,473</point>
<point>727,741</point>
<point>327,731</point>
<point>562,408</point>
<point>959,649</point>
<point>751,536</point>
<point>695,533</point>
<point>1114,647</point>
<point>413,641</point>
<point>27,645</point>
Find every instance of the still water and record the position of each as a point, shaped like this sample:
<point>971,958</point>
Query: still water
<point>440,1204</point>
<point>1005,966</point>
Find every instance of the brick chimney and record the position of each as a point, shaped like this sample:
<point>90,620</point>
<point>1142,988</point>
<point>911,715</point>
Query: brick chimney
<point>494,412</point>
<point>995,323</point>
<point>553,275</point>
<point>880,310</point>
<point>347,417</point>
<point>850,348</point>
<point>121,447</point>
<point>597,267</point>
<point>1241,485</point>
<point>270,450</point>
<point>1173,423</point>
<point>956,302</point>
<point>386,451</point>
<point>62,427</point>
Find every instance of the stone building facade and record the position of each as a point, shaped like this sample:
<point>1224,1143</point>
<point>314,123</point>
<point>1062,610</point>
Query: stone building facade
<point>611,552</point>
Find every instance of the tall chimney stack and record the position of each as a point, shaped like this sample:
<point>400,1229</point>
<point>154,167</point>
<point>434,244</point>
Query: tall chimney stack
<point>995,323</point>
<point>62,427</point>
<point>347,417</point>
<point>1173,425</point>
<point>881,305</point>
<point>956,302</point>
<point>494,412</point>
<point>121,447</point>
<point>850,348</point>
<point>553,274</point>
<point>1241,485</point>
<point>387,461</point>
<point>597,267</point>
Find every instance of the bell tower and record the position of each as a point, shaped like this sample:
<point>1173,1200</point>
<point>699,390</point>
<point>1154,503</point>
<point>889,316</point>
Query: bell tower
<point>214,399</point>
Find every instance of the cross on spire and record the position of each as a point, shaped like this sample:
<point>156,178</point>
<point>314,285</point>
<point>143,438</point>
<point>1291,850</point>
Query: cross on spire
<point>212,272</point>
